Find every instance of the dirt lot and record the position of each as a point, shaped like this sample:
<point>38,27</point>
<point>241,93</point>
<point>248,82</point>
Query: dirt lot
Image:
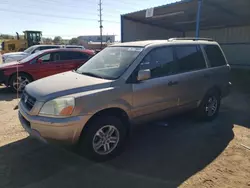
<point>185,153</point>
<point>1,59</point>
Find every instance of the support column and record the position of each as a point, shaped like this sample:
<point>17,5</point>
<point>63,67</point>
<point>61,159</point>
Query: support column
<point>198,17</point>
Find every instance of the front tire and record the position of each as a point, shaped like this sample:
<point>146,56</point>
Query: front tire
<point>18,83</point>
<point>103,138</point>
<point>209,107</point>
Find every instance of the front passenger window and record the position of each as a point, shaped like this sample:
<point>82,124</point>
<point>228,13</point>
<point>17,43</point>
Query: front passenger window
<point>45,58</point>
<point>160,61</point>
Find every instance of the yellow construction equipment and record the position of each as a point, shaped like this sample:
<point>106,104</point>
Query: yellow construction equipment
<point>30,38</point>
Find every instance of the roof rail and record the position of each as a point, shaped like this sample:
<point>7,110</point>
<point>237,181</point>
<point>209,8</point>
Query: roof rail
<point>191,38</point>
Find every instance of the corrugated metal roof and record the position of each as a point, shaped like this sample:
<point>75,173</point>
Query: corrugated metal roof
<point>181,15</point>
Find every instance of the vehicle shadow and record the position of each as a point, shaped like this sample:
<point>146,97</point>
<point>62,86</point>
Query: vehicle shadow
<point>155,156</point>
<point>171,154</point>
<point>6,94</point>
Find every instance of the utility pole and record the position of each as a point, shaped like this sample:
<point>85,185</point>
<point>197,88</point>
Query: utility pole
<point>100,20</point>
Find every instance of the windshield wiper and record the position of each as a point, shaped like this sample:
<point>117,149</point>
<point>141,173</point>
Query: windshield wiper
<point>91,74</point>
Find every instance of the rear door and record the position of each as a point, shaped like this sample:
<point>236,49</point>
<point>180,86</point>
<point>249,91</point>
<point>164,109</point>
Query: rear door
<point>75,59</point>
<point>192,74</point>
<point>218,68</point>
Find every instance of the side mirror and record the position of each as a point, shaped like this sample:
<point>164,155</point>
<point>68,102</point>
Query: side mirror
<point>39,61</point>
<point>144,75</point>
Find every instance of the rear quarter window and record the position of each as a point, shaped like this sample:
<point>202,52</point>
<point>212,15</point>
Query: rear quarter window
<point>214,55</point>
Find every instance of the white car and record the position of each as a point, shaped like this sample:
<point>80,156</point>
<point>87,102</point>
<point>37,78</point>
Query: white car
<point>17,56</point>
<point>74,46</point>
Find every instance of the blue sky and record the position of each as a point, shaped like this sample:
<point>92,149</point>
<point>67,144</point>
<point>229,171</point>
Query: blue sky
<point>67,18</point>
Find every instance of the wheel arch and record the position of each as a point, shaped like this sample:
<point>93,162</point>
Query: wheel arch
<point>21,72</point>
<point>215,88</point>
<point>211,89</point>
<point>112,111</point>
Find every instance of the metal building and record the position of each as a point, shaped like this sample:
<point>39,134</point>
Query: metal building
<point>226,21</point>
<point>97,38</point>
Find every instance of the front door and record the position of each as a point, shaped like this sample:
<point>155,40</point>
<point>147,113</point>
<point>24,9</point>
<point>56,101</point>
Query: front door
<point>51,64</point>
<point>161,91</point>
<point>41,69</point>
<point>57,63</point>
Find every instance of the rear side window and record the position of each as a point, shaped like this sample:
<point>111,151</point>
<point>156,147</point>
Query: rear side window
<point>189,58</point>
<point>45,58</point>
<point>214,55</point>
<point>67,55</point>
<point>78,55</point>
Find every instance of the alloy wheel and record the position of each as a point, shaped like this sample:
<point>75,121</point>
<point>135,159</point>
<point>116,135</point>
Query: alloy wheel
<point>20,83</point>
<point>211,106</point>
<point>105,140</point>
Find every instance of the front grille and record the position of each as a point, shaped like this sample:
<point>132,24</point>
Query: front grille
<point>28,101</point>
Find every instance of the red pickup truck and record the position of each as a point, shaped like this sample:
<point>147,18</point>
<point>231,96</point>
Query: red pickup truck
<point>41,64</point>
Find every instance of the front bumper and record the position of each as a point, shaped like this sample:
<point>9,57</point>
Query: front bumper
<point>65,131</point>
<point>2,77</point>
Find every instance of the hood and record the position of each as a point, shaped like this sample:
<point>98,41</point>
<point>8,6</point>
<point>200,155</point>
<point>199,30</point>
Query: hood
<point>15,56</point>
<point>64,84</point>
<point>10,65</point>
<point>15,53</point>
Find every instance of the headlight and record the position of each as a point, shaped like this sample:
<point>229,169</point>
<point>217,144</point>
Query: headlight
<point>58,107</point>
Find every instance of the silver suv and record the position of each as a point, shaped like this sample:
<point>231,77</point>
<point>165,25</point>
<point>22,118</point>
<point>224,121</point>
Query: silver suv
<point>123,85</point>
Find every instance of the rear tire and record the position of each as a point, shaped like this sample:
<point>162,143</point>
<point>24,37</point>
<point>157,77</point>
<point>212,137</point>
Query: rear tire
<point>209,107</point>
<point>103,138</point>
<point>18,84</point>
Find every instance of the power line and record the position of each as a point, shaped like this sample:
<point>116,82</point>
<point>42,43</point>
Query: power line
<point>52,15</point>
<point>122,2</point>
<point>110,2</point>
<point>59,3</point>
<point>54,8</point>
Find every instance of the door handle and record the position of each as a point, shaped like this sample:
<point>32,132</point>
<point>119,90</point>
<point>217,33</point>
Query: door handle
<point>58,66</point>
<point>171,83</point>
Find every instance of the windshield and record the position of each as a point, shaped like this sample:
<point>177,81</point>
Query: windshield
<point>111,62</point>
<point>29,50</point>
<point>31,57</point>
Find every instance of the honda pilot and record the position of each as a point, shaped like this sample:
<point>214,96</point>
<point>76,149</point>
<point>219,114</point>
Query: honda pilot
<point>125,84</point>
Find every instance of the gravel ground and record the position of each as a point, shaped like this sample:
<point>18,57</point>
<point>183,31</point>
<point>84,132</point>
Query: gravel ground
<point>186,153</point>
